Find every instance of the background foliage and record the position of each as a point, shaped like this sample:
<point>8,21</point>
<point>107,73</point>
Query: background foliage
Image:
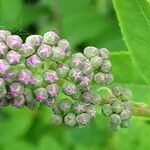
<point>83,23</point>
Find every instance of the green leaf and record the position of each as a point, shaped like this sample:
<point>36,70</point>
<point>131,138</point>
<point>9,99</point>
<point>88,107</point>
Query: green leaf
<point>134,19</point>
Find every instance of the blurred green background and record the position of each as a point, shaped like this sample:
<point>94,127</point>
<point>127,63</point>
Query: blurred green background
<point>83,23</point>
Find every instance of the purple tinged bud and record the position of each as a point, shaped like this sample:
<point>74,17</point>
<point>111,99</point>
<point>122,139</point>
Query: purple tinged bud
<point>125,114</point>
<point>76,74</point>
<point>33,61</point>
<point>96,62</point>
<point>63,70</point>
<point>10,76</point>
<point>77,60</point>
<point>106,66</point>
<point>3,102</point>
<point>108,78</point>
<point>65,45</point>
<point>87,68</point>
<point>25,76</point>
<point>90,52</point>
<point>41,94</point>
<point>3,35</point>
<point>18,101</point>
<point>58,54</point>
<point>50,101</point>
<point>14,42</point>
<point>91,111</point>
<point>51,38</point>
<point>13,57</point>
<point>44,51</point>
<point>4,66</point>
<point>104,53</point>
<point>57,119</point>
<point>26,50</point>
<point>85,83</point>
<point>70,119</point>
<point>87,97</point>
<point>83,119</point>
<point>52,90</point>
<point>36,80</point>
<point>51,76</point>
<point>79,107</point>
<point>34,40</point>
<point>16,89</point>
<point>3,49</point>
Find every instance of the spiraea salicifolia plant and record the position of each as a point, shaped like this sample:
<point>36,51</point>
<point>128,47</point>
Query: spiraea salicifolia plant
<point>42,70</point>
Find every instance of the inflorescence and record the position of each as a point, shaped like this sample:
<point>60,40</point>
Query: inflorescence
<point>42,70</point>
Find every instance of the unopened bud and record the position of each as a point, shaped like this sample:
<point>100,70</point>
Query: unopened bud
<point>90,52</point>
<point>3,49</point>
<point>70,119</point>
<point>52,90</point>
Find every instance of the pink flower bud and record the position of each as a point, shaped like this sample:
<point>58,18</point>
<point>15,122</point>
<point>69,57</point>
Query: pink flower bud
<point>16,89</point>
<point>34,40</point>
<point>36,80</point>
<point>10,76</point>
<point>65,45</point>
<point>41,94</point>
<point>76,74</point>
<point>44,51</point>
<point>63,70</point>
<point>3,35</point>
<point>51,76</point>
<point>26,50</point>
<point>13,57</point>
<point>18,101</point>
<point>52,90</point>
<point>3,49</point>
<point>33,61</point>
<point>4,66</point>
<point>14,42</point>
<point>25,76</point>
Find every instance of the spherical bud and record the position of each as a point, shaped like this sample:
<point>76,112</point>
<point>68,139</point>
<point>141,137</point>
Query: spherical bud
<point>87,68</point>
<point>70,89</point>
<point>117,91</point>
<point>3,35</point>
<point>25,76</point>
<point>70,119</point>
<point>126,95</point>
<point>33,61</point>
<point>3,49</point>
<point>57,119</point>
<point>99,78</point>
<point>10,76</point>
<point>90,52</point>
<point>26,50</point>
<point>50,76</point>
<point>36,80</point>
<point>44,51</point>
<point>18,101</point>
<point>52,90</point>
<point>117,106</point>
<point>4,66</point>
<point>125,114</point>
<point>58,54</point>
<point>104,53</point>
<point>13,57</point>
<point>87,97</point>
<point>96,62</point>
<point>106,66</point>
<point>85,83</point>
<point>105,93</point>
<point>51,38</point>
<point>83,119</point>
<point>108,78</point>
<point>65,45</point>
<point>50,101</point>
<point>76,74</point>
<point>115,119</point>
<point>56,109</point>
<point>63,70</point>
<point>107,110</point>
<point>77,60</point>
<point>41,94</point>
<point>125,123</point>
<point>16,89</point>
<point>65,106</point>
<point>91,110</point>
<point>79,107</point>
<point>127,105</point>
<point>34,40</point>
<point>14,42</point>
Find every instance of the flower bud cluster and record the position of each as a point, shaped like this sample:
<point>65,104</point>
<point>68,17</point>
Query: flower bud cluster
<point>118,108</point>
